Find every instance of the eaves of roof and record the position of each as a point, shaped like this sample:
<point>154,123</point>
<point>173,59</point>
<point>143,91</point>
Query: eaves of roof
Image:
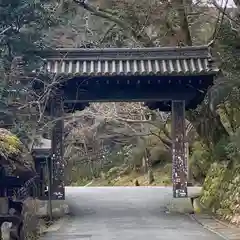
<point>130,61</point>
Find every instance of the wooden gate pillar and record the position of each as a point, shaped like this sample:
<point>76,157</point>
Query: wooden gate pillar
<point>57,166</point>
<point>179,158</point>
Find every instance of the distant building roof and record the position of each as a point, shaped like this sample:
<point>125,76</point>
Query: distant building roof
<point>42,148</point>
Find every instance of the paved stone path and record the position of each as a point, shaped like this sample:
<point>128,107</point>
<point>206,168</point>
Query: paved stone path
<point>126,213</point>
<point>226,231</point>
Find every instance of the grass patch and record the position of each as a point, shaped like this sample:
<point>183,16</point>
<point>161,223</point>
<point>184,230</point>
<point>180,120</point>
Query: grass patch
<point>162,177</point>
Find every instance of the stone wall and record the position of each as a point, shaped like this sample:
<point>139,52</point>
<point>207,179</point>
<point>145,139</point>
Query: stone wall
<point>221,192</point>
<point>31,220</point>
<point>59,208</point>
<point>34,211</point>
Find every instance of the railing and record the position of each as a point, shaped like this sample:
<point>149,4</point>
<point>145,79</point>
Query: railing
<point>30,188</point>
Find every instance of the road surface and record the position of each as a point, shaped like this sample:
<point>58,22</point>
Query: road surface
<point>126,213</point>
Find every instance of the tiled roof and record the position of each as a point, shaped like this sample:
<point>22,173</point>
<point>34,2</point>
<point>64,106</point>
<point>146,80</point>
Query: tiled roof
<point>126,61</point>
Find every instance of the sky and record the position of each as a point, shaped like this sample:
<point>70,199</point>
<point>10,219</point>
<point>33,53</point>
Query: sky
<point>230,2</point>
<point>223,2</point>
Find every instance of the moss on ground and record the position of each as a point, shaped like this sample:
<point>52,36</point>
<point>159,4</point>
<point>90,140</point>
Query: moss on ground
<point>14,156</point>
<point>162,177</point>
<point>9,143</point>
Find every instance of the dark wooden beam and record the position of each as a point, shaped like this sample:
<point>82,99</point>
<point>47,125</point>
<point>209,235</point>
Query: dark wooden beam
<point>179,160</point>
<point>57,166</point>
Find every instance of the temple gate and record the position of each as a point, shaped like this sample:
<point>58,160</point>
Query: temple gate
<point>168,78</point>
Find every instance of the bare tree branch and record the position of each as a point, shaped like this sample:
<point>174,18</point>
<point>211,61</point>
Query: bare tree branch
<point>5,30</point>
<point>224,12</point>
<point>97,11</point>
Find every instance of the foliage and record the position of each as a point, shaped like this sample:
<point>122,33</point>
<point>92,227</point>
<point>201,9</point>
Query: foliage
<point>221,184</point>
<point>22,25</point>
<point>9,143</point>
<point>233,148</point>
<point>14,156</point>
<point>109,138</point>
<point>221,190</point>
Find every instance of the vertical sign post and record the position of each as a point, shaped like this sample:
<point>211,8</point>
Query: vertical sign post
<point>179,160</point>
<point>187,161</point>
<point>49,167</point>
<point>57,146</point>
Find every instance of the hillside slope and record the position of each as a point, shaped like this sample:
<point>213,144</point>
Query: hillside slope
<point>162,175</point>
<point>221,192</point>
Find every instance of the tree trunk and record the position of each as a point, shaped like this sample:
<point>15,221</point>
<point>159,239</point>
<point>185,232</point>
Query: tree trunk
<point>144,164</point>
<point>150,176</point>
<point>92,169</point>
<point>149,167</point>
